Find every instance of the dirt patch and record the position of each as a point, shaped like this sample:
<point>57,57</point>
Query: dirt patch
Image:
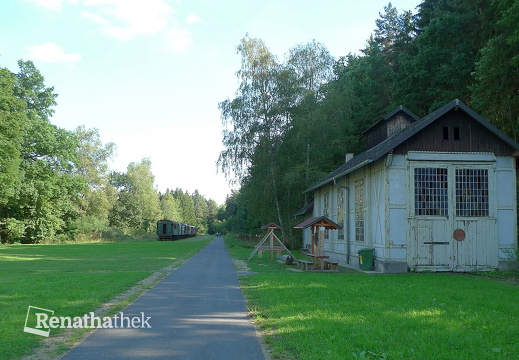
<point>240,265</point>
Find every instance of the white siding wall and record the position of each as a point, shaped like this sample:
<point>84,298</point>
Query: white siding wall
<point>506,208</point>
<point>397,215</point>
<point>388,200</point>
<point>376,207</point>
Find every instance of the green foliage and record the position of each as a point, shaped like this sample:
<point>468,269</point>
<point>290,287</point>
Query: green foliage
<point>12,126</point>
<point>98,197</point>
<point>169,207</point>
<point>187,206</point>
<point>56,184</point>
<point>495,91</point>
<point>260,118</point>
<point>449,49</point>
<point>39,161</point>
<point>137,208</point>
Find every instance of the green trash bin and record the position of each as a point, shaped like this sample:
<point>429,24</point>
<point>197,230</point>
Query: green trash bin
<point>366,259</point>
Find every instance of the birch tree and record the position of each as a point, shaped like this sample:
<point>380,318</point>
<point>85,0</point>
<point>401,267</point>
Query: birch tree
<point>257,119</point>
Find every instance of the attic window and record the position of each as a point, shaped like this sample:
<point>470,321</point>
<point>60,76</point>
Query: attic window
<point>446,133</point>
<point>456,133</point>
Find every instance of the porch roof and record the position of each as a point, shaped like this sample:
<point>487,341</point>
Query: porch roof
<point>318,221</point>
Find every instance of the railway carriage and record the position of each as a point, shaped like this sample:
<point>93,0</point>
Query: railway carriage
<point>172,230</point>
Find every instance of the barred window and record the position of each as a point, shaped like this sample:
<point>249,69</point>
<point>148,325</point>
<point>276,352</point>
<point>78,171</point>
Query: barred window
<point>472,192</point>
<point>359,210</point>
<point>430,191</point>
<point>340,213</point>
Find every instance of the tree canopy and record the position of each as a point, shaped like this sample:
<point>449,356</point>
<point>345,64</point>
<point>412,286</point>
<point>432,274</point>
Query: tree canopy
<point>293,121</point>
<point>57,185</point>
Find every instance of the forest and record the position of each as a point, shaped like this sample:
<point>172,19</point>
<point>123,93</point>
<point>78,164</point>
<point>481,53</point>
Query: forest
<point>292,121</point>
<point>57,185</point>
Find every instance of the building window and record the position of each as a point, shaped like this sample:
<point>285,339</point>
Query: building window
<point>456,133</point>
<point>445,133</point>
<point>430,191</point>
<point>359,210</point>
<point>326,206</point>
<point>340,213</point>
<point>472,192</point>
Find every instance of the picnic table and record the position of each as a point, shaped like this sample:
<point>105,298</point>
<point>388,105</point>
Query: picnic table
<point>318,260</point>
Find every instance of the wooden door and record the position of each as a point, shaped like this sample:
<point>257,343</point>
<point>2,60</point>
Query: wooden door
<point>475,224</point>
<point>452,225</point>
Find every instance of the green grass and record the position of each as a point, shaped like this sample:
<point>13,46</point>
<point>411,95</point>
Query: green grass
<point>351,315</point>
<point>73,279</point>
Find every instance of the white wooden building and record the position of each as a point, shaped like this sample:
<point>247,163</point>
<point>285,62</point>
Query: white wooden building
<point>437,193</point>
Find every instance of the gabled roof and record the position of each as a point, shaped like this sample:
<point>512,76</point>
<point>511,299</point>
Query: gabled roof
<point>318,221</point>
<point>378,151</point>
<point>271,225</point>
<point>390,115</point>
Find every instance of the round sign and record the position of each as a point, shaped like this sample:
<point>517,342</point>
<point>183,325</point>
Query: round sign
<point>459,235</point>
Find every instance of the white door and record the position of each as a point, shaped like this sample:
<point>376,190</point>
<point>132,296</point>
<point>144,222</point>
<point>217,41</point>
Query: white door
<point>476,246</point>
<point>452,225</point>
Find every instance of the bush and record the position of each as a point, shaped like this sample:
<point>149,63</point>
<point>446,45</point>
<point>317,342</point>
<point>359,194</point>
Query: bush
<point>11,231</point>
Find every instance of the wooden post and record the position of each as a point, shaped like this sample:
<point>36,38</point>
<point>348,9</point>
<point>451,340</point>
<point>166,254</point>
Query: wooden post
<point>271,236</point>
<point>271,243</point>
<point>320,243</point>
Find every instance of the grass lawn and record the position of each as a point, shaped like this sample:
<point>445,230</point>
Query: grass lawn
<point>352,315</point>
<point>74,279</point>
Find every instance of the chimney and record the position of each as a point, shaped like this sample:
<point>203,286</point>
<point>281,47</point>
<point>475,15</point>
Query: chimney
<point>348,157</point>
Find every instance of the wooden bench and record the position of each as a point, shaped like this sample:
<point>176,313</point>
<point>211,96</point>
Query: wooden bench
<point>331,265</point>
<point>305,265</point>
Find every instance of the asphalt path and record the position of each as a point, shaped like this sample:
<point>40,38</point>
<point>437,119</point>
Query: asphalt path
<point>196,312</point>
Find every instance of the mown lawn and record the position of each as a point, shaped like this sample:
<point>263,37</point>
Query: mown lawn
<point>351,315</point>
<point>74,279</point>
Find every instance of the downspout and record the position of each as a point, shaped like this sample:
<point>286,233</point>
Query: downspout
<point>346,218</point>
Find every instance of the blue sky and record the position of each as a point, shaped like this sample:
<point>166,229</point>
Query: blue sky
<point>149,74</point>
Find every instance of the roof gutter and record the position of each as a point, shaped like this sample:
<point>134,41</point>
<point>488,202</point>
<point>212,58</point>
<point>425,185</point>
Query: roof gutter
<point>356,167</point>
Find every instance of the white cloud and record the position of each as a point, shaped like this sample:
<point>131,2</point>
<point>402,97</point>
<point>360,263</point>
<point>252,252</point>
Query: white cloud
<point>125,19</point>
<point>191,19</point>
<point>54,5</point>
<point>179,39</point>
<point>50,52</point>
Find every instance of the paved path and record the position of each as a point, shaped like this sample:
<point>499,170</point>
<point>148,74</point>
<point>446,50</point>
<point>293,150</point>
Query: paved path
<point>197,312</point>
